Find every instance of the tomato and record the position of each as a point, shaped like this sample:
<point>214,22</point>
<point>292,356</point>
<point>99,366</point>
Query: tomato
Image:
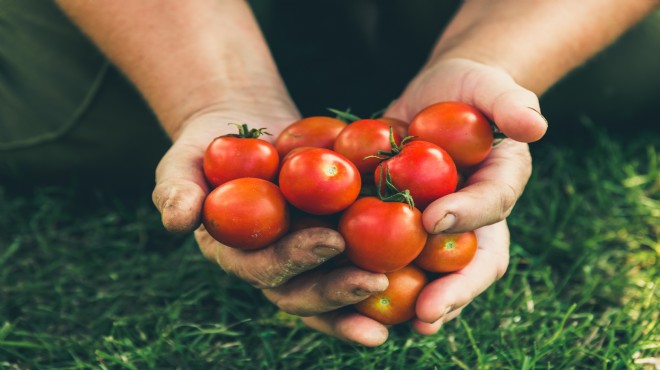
<point>447,252</point>
<point>423,168</point>
<point>460,129</point>
<point>382,236</point>
<point>316,131</point>
<point>319,181</point>
<point>365,138</point>
<point>396,304</point>
<point>399,126</point>
<point>246,213</point>
<point>244,155</point>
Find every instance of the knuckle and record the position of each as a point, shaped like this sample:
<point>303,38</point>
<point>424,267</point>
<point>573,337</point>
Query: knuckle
<point>260,279</point>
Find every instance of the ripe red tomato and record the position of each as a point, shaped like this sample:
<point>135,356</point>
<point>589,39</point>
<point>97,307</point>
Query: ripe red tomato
<point>316,131</point>
<point>364,138</point>
<point>401,127</point>
<point>396,304</point>
<point>231,157</point>
<point>447,252</point>
<point>460,129</point>
<point>246,213</point>
<point>319,181</point>
<point>382,236</point>
<point>423,168</point>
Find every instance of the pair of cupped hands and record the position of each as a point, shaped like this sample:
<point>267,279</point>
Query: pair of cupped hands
<point>286,271</point>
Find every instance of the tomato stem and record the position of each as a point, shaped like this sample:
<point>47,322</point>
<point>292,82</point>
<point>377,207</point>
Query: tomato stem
<point>392,194</point>
<point>245,132</point>
<point>345,116</point>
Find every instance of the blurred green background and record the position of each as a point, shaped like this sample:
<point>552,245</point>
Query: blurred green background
<point>90,280</point>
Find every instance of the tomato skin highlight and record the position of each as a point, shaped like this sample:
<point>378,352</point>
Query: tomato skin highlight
<point>423,168</point>
<point>447,252</point>
<point>364,138</point>
<point>460,129</point>
<point>246,213</point>
<point>319,181</point>
<point>315,131</point>
<point>396,304</point>
<point>227,158</point>
<point>382,236</point>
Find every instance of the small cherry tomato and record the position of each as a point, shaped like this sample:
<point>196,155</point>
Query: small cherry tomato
<point>447,252</point>
<point>460,129</point>
<point>399,126</point>
<point>423,168</point>
<point>364,138</point>
<point>246,213</point>
<point>382,236</point>
<point>319,181</point>
<point>396,304</point>
<point>316,131</point>
<point>234,156</point>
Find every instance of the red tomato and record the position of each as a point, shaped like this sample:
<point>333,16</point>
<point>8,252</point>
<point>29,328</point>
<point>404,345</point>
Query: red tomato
<point>423,168</point>
<point>460,129</point>
<point>447,252</point>
<point>364,138</point>
<point>317,131</point>
<point>401,127</point>
<point>246,213</point>
<point>234,156</point>
<point>319,181</point>
<point>396,304</point>
<point>382,236</point>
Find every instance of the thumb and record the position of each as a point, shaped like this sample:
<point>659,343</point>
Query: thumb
<point>514,109</point>
<point>180,187</point>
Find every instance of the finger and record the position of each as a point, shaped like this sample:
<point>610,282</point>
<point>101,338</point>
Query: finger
<point>349,327</point>
<point>489,194</point>
<point>514,109</point>
<point>440,297</point>
<point>323,290</point>
<point>425,328</point>
<point>180,187</point>
<point>272,266</point>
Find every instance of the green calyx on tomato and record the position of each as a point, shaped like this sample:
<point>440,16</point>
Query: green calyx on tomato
<point>245,132</point>
<point>395,148</point>
<point>345,116</point>
<point>392,194</point>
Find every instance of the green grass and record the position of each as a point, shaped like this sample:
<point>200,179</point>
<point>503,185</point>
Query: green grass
<point>91,280</point>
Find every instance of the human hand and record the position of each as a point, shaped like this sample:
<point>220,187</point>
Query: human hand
<point>286,271</point>
<point>491,188</point>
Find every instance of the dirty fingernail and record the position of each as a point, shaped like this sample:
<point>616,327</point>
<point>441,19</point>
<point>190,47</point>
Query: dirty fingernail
<point>325,252</point>
<point>446,223</point>
<point>362,292</point>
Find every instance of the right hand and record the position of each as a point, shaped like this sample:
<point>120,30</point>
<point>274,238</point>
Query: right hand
<point>285,271</point>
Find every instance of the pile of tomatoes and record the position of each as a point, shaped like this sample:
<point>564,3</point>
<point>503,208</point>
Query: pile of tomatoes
<point>370,180</point>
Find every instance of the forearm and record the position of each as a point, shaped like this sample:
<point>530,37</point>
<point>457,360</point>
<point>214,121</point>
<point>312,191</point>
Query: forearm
<point>537,41</point>
<point>183,56</point>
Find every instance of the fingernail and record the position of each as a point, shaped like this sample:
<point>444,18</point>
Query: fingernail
<point>325,252</point>
<point>444,313</point>
<point>362,292</point>
<point>539,113</point>
<point>446,223</point>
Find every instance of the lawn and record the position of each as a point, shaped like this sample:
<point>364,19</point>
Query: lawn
<point>90,280</point>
